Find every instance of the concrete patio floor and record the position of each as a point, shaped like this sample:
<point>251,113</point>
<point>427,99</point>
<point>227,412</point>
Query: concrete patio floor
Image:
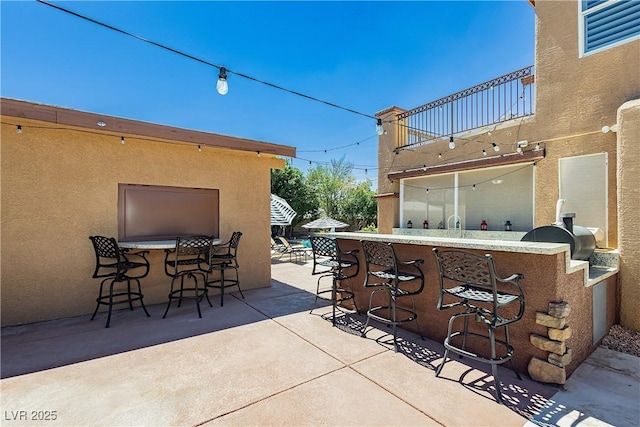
<point>266,360</point>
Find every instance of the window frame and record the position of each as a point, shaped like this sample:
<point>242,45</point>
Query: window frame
<point>583,12</point>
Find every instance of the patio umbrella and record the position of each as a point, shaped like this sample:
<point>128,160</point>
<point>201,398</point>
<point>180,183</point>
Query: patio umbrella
<point>326,222</point>
<point>281,213</point>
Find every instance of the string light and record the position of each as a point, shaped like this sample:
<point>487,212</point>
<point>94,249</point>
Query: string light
<point>484,152</point>
<point>379,128</point>
<point>496,147</point>
<point>199,149</point>
<point>19,129</point>
<point>439,155</point>
<point>122,140</point>
<point>474,186</point>
<point>222,86</point>
<point>452,144</point>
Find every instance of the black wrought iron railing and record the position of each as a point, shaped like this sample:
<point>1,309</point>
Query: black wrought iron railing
<point>499,100</point>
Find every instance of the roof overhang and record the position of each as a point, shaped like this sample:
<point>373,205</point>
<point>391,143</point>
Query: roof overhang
<point>504,159</point>
<point>127,127</point>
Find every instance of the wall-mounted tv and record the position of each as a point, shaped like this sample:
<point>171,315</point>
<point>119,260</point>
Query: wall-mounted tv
<point>152,212</point>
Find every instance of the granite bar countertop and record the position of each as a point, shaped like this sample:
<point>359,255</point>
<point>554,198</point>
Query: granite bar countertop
<point>607,261</point>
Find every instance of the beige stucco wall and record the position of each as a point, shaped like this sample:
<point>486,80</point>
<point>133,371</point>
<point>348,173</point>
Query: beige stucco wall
<point>628,210</point>
<point>59,186</point>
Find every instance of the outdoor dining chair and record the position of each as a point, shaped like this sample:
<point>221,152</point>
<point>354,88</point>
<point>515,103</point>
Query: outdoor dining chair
<point>395,278</point>
<point>223,258</point>
<point>187,261</point>
<point>329,261</point>
<point>470,281</point>
<point>115,265</point>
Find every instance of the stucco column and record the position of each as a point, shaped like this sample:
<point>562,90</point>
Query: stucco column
<point>628,177</point>
<point>388,201</point>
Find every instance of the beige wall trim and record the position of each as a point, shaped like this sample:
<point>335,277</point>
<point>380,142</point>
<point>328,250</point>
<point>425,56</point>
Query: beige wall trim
<point>120,126</point>
<point>381,196</point>
<point>504,159</point>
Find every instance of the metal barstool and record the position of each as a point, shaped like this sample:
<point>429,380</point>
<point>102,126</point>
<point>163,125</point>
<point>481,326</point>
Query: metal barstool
<point>341,266</point>
<point>114,265</point>
<point>187,260</point>
<point>398,279</point>
<point>223,258</point>
<point>470,280</point>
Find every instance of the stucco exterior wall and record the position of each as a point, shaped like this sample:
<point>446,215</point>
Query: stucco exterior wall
<point>59,186</point>
<point>628,209</point>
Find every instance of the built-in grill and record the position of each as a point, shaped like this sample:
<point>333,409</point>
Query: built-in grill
<point>580,239</point>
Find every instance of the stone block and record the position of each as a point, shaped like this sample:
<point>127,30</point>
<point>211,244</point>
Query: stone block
<point>561,361</point>
<point>550,321</point>
<point>560,334</point>
<point>544,343</point>
<point>543,371</point>
<point>559,309</point>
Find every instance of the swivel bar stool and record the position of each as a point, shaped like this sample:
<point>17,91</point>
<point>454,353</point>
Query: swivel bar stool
<point>396,278</point>
<point>115,265</point>
<point>223,258</point>
<point>470,280</point>
<point>186,261</point>
<point>341,266</point>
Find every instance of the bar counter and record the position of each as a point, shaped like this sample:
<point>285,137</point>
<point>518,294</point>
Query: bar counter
<point>549,276</point>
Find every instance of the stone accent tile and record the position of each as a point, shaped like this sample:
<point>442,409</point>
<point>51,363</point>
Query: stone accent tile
<point>561,361</point>
<point>560,334</point>
<point>549,321</point>
<point>546,372</point>
<point>546,344</point>
<point>559,309</point>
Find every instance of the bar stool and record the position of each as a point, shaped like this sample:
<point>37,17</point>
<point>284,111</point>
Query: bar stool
<point>472,282</point>
<point>398,279</point>
<point>222,258</point>
<point>114,265</point>
<point>330,261</point>
<point>187,260</point>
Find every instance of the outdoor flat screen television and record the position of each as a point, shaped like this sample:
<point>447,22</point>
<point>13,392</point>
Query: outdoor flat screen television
<point>152,212</point>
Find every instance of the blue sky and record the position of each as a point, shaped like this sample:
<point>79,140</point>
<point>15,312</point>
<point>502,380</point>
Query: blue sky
<point>365,56</point>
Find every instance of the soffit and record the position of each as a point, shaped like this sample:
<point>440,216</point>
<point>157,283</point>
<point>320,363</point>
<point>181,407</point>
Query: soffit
<point>122,126</point>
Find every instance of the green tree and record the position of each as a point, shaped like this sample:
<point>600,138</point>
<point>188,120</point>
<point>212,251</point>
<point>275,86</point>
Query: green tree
<point>360,208</point>
<point>331,185</point>
<point>340,196</point>
<point>290,184</point>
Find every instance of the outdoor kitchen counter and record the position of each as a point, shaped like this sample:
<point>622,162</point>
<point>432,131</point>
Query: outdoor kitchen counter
<point>549,276</point>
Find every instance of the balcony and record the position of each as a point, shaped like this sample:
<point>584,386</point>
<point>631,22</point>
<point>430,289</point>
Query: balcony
<point>483,106</point>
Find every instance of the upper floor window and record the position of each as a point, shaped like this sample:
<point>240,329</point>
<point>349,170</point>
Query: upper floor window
<point>607,23</point>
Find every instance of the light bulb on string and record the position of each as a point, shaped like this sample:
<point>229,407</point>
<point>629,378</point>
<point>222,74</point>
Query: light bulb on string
<point>379,128</point>
<point>484,152</point>
<point>222,86</point>
<point>19,129</point>
<point>199,148</point>
<point>496,147</point>
<point>439,155</point>
<point>122,140</point>
<point>452,144</point>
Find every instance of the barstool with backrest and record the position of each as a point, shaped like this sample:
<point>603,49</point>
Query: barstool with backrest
<point>471,281</point>
<point>115,265</point>
<point>341,266</point>
<point>223,258</point>
<point>187,260</point>
<point>396,278</point>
